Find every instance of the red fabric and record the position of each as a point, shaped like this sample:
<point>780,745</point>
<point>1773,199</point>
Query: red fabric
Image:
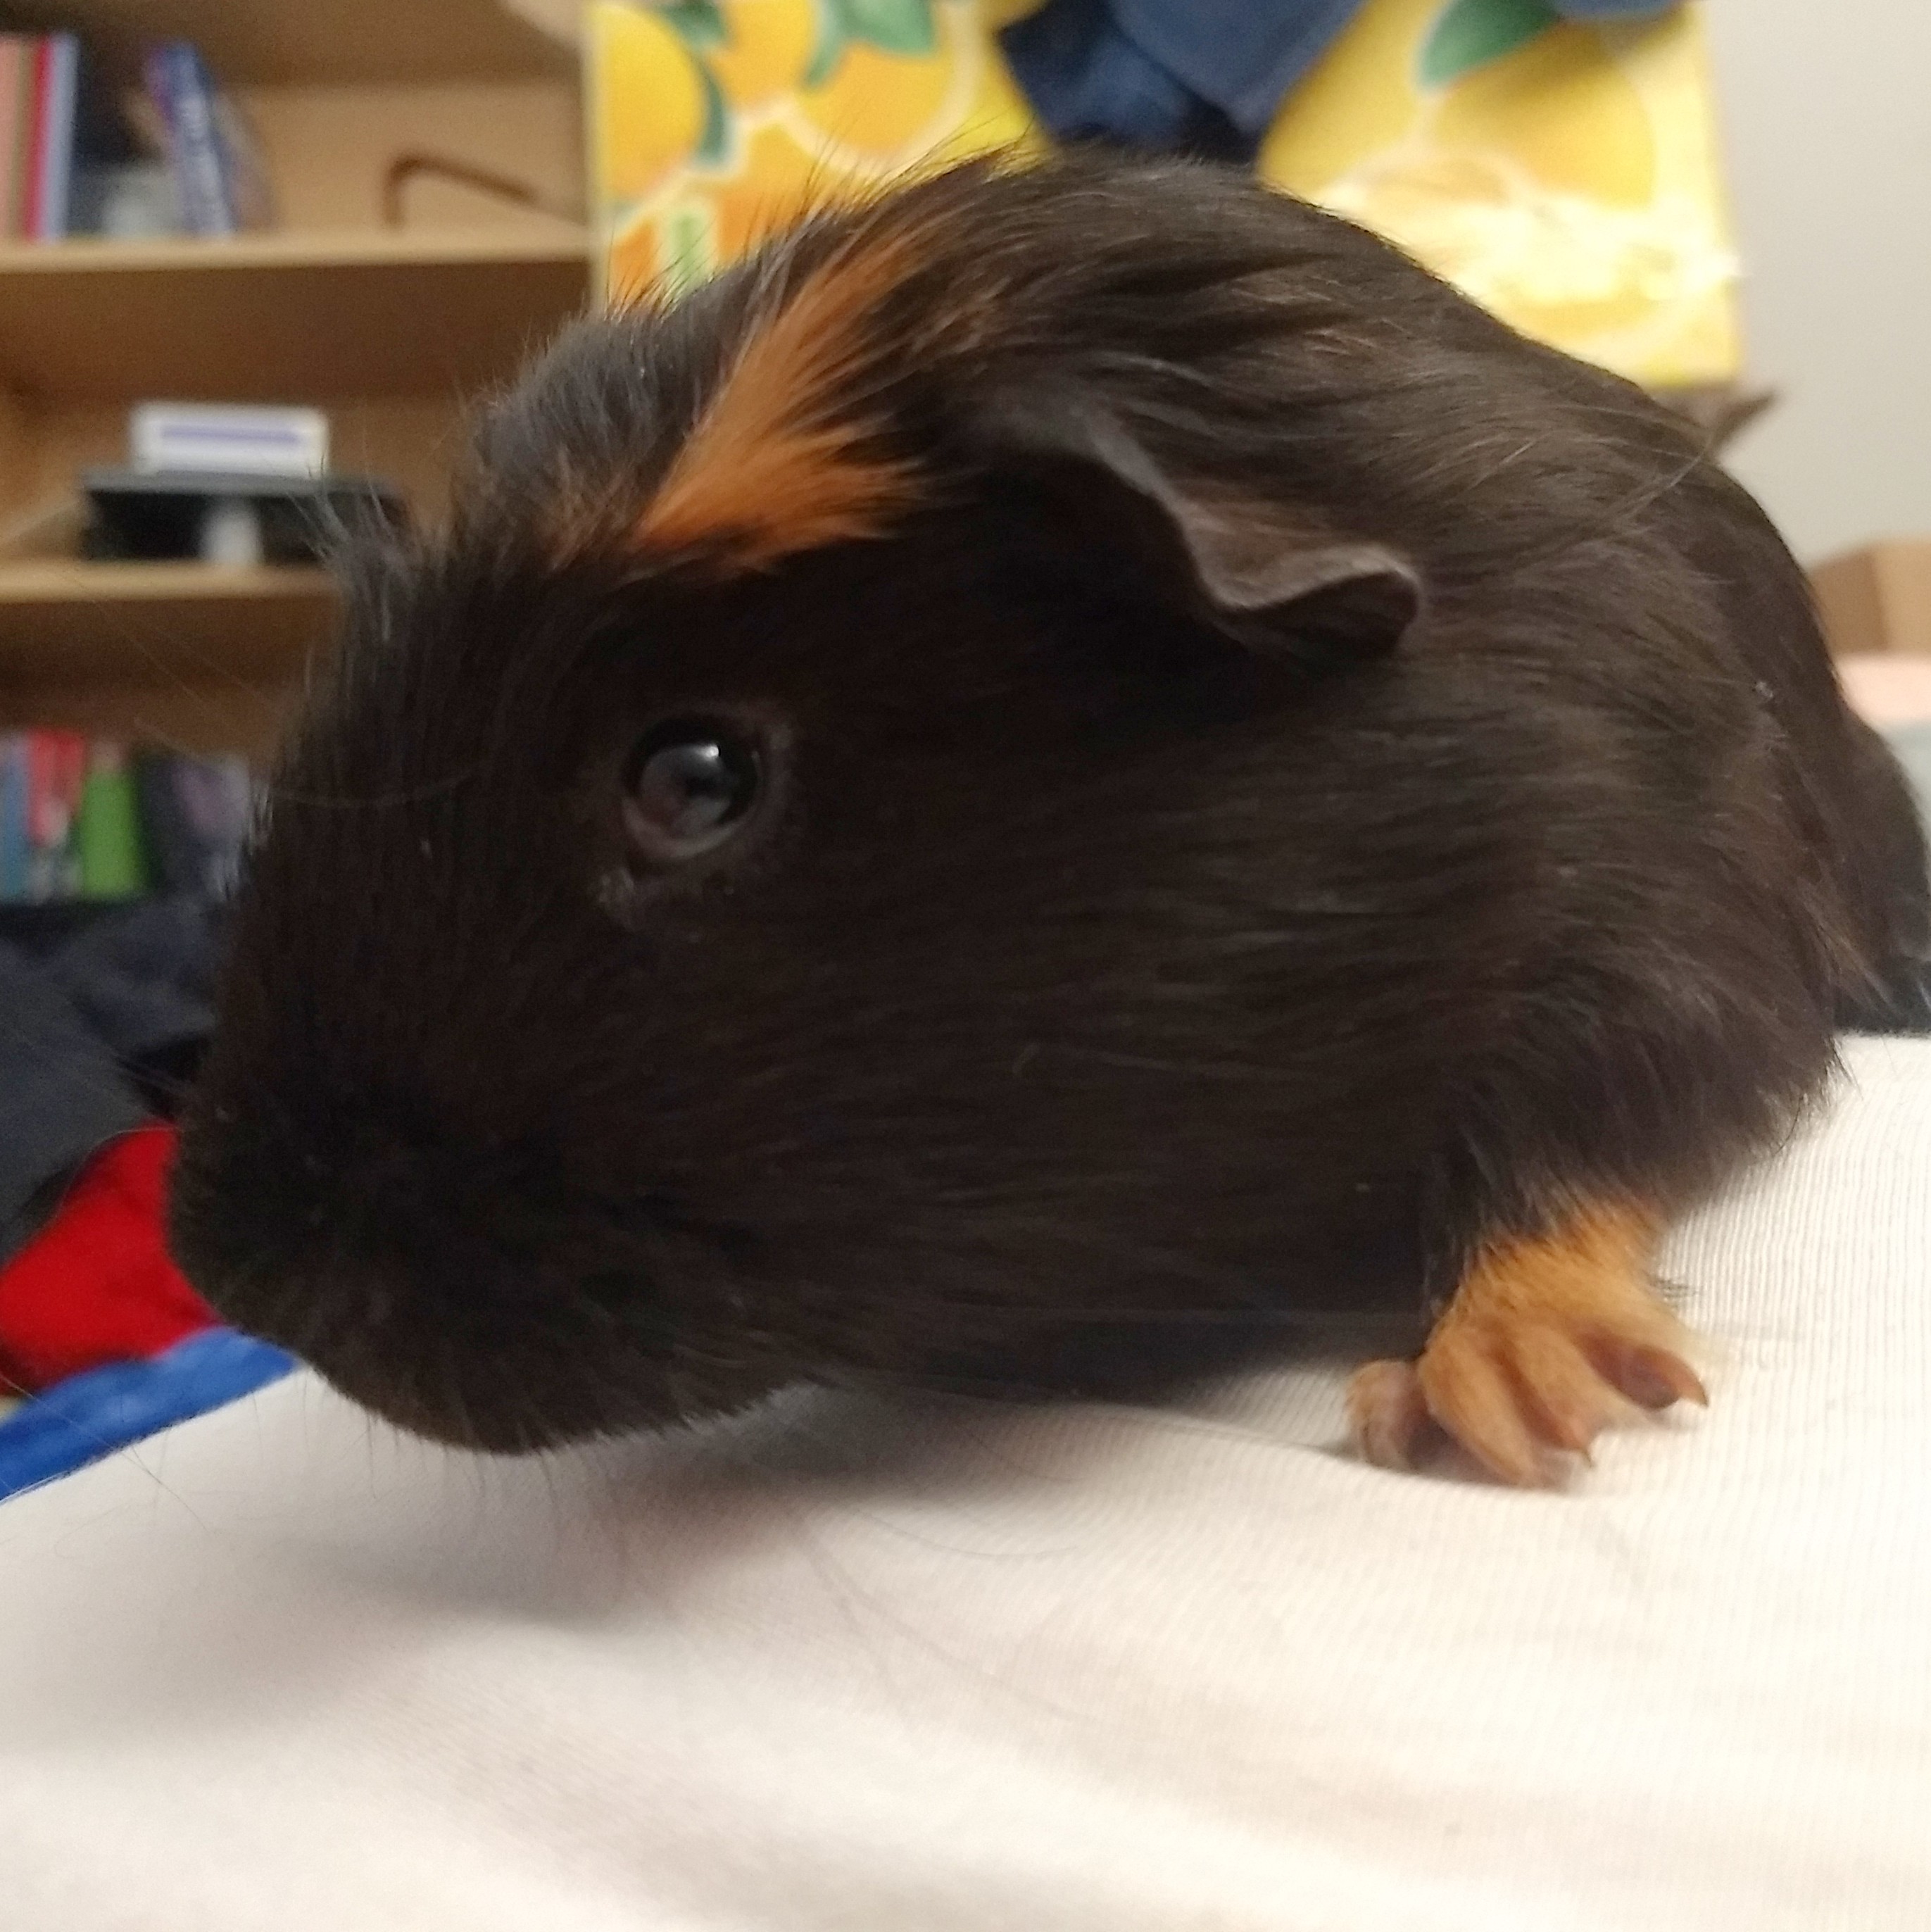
<point>95,1284</point>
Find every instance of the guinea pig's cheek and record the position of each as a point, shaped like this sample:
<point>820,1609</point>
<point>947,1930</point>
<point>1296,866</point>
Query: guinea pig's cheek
<point>627,893</point>
<point>635,902</point>
<point>626,896</point>
<point>620,896</point>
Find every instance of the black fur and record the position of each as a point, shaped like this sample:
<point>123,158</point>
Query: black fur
<point>1120,952</point>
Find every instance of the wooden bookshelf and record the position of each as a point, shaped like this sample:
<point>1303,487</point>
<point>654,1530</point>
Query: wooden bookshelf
<point>289,42</point>
<point>78,621</point>
<point>374,314</point>
<point>210,712</point>
<point>182,654</point>
<point>392,330</point>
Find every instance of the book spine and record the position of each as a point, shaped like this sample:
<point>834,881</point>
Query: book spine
<point>34,147</point>
<point>15,781</point>
<point>22,158</point>
<point>196,814</point>
<point>184,91</point>
<point>161,100</point>
<point>101,821</point>
<point>168,839</point>
<point>108,833</point>
<point>11,46</point>
<point>250,197</point>
<point>57,767</point>
<point>54,173</point>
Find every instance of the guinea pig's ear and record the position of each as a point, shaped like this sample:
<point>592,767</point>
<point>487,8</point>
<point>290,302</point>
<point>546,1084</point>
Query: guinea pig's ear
<point>1243,567</point>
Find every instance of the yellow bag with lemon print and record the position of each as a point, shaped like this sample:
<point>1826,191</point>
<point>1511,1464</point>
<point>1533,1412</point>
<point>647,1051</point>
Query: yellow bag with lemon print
<point>1565,176</point>
<point>712,122</point>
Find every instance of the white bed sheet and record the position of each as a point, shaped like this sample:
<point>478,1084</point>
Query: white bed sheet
<point>915,1668</point>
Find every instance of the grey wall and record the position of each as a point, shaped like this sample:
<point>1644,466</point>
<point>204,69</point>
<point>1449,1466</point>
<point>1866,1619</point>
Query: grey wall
<point>1827,124</point>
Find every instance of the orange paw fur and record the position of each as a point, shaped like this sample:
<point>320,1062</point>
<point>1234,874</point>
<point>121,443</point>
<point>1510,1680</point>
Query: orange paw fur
<point>1546,1343</point>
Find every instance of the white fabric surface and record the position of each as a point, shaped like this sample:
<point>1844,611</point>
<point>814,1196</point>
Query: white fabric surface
<point>916,1669</point>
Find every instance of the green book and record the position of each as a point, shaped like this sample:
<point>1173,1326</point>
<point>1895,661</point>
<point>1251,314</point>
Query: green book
<point>112,864</point>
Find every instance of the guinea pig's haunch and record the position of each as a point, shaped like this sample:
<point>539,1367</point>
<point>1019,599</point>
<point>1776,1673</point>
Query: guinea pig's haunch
<point>1072,752</point>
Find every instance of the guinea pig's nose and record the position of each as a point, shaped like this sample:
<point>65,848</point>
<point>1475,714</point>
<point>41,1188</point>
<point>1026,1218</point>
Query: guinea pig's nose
<point>265,1233</point>
<point>458,1288</point>
<point>277,1296</point>
<point>348,1314</point>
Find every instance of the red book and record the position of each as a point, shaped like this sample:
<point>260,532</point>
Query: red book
<point>39,103</point>
<point>57,78</point>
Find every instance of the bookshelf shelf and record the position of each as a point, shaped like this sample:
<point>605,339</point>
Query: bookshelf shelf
<point>371,312</point>
<point>330,42</point>
<point>159,623</point>
<point>394,289</point>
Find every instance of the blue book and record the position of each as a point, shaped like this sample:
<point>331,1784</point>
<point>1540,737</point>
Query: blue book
<point>220,180</point>
<point>183,93</point>
<point>53,173</point>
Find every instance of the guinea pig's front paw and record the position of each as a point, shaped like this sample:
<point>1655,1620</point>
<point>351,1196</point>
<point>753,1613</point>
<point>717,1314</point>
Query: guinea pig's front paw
<point>1546,1343</point>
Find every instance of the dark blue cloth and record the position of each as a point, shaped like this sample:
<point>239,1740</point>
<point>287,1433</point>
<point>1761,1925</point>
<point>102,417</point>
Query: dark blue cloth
<point>98,1004</point>
<point>88,1417</point>
<point>1188,77</point>
<point>1242,55</point>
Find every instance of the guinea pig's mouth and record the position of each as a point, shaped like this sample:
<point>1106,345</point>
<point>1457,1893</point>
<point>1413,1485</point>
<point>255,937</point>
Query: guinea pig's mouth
<point>489,1317</point>
<point>449,1404</point>
<point>568,1374</point>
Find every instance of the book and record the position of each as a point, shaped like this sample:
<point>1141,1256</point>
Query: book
<point>17,80</point>
<point>220,181</point>
<point>61,125</point>
<point>246,167</point>
<point>14,781</point>
<point>56,773</point>
<point>56,112</point>
<point>109,183</point>
<point>35,98</point>
<point>112,864</point>
<point>196,814</point>
<point>182,89</point>
<point>104,821</point>
<point>230,439</point>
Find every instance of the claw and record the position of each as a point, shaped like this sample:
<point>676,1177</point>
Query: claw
<point>1546,1345</point>
<point>1471,1394</point>
<point>1654,1377</point>
<point>1387,1415</point>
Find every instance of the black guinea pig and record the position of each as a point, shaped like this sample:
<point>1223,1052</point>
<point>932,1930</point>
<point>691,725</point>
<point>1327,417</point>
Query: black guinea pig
<point>1073,751</point>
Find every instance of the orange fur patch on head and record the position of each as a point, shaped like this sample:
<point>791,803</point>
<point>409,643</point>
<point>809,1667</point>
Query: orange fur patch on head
<point>773,467</point>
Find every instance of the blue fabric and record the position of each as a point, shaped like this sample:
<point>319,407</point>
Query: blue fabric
<point>90,1416</point>
<point>1242,55</point>
<point>1086,80</point>
<point>1190,76</point>
<point>1200,76</point>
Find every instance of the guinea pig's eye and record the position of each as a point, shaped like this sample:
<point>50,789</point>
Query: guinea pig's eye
<point>687,785</point>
